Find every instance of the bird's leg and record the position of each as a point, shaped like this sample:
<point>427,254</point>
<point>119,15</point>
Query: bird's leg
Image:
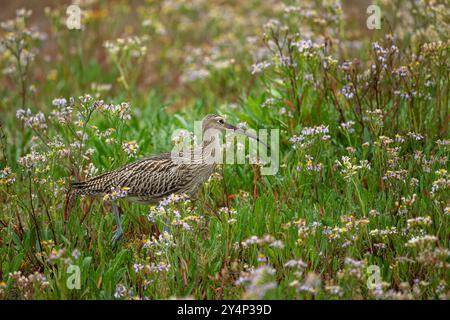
<point>118,233</point>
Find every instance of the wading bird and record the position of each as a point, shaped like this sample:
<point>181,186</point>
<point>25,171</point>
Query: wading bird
<point>152,179</point>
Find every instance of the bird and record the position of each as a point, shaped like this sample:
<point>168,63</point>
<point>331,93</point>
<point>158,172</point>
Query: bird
<point>152,179</point>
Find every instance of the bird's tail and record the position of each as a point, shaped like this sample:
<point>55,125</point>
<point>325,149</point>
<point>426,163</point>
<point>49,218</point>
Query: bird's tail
<point>93,186</point>
<point>80,188</point>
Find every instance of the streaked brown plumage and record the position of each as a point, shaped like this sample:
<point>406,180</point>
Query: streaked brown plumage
<point>152,179</point>
<point>149,180</point>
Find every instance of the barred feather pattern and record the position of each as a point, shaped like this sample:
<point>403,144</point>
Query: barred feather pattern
<point>150,180</point>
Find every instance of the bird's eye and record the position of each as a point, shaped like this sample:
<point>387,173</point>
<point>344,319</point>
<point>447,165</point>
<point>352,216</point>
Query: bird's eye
<point>220,121</point>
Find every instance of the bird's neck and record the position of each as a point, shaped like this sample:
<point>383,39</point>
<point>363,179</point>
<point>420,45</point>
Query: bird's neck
<point>207,149</point>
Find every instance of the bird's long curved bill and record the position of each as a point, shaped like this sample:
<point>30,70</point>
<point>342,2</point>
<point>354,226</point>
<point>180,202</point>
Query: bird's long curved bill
<point>240,131</point>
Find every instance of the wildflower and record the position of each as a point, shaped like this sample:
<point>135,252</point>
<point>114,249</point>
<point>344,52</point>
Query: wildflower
<point>419,221</point>
<point>101,87</point>
<point>307,136</point>
<point>34,122</point>
<point>7,177</point>
<point>259,282</point>
<point>442,181</point>
<point>228,211</point>
<point>91,170</point>
<point>310,165</point>
<point>381,54</point>
<point>59,102</point>
<point>31,160</point>
<point>318,130</point>
<point>396,175</point>
<point>23,114</point>
<point>385,141</point>
<point>348,126</point>
<point>380,246</point>
<point>174,198</point>
<point>75,254</point>
<point>311,283</point>
<point>272,24</point>
<point>193,75</point>
<point>298,264</point>
<point>346,65</point>
<point>88,153</point>
<point>348,91</point>
<point>120,292</point>
<point>399,138</point>
<point>63,111</point>
<point>55,255</point>
<point>27,286</point>
<point>79,123</point>
<point>164,241</point>
<point>415,136</point>
<point>155,212</point>
<point>402,72</point>
<point>259,67</point>
<point>376,117</point>
<point>138,267</point>
<point>132,45</point>
<point>443,142</point>
<point>354,268</point>
<point>116,193</point>
<point>277,244</point>
<point>159,268</point>
<point>85,99</point>
<point>447,210</point>
<point>304,45</point>
<point>349,169</point>
<point>268,103</point>
<point>267,239</point>
<point>421,241</point>
<point>335,290</point>
<point>383,233</point>
<point>262,258</point>
<point>122,111</point>
<point>131,148</point>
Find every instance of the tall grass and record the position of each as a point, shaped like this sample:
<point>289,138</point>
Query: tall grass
<point>363,184</point>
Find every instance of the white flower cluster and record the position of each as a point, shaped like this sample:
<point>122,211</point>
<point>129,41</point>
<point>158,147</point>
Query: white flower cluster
<point>131,148</point>
<point>32,121</point>
<point>349,169</point>
<point>267,239</point>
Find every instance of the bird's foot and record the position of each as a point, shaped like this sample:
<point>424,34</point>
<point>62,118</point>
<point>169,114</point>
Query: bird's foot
<point>117,235</point>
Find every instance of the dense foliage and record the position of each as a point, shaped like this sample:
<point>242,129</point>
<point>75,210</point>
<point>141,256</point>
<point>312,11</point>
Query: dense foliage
<point>363,183</point>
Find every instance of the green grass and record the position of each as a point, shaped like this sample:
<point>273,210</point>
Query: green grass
<point>299,234</point>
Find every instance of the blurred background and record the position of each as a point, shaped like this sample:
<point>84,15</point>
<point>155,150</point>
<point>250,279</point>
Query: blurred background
<point>188,42</point>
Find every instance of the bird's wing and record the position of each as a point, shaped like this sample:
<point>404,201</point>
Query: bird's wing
<point>154,178</point>
<point>104,182</point>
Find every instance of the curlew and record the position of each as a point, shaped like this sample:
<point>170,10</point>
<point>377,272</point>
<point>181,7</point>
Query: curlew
<point>152,179</point>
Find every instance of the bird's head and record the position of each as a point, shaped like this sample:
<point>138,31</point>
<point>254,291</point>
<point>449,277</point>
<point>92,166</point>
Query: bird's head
<point>213,121</point>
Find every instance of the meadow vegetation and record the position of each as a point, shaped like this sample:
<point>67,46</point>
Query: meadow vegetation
<point>363,183</point>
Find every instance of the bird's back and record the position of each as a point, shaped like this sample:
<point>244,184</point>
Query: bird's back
<point>148,180</point>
